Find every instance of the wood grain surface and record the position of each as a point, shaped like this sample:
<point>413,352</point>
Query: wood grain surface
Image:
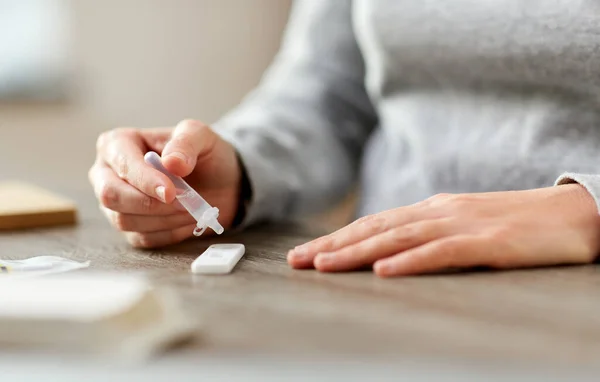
<point>548,316</point>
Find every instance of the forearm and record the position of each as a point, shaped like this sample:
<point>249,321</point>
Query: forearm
<point>300,134</point>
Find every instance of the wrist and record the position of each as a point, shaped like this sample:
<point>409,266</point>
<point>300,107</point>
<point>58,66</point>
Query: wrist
<point>584,214</point>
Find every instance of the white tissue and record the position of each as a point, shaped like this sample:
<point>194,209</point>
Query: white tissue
<point>41,266</point>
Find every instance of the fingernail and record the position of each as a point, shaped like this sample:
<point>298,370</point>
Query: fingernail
<point>326,258</point>
<point>160,192</point>
<point>180,156</point>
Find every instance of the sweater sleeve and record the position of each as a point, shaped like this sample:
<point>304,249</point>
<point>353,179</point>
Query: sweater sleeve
<point>301,132</point>
<point>591,182</point>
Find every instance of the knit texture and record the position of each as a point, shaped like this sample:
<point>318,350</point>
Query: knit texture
<point>413,98</point>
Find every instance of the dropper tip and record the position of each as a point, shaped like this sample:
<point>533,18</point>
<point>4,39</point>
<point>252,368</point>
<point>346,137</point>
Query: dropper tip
<point>218,228</point>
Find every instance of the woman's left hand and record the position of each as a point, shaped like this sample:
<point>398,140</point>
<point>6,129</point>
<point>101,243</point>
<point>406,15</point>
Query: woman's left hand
<point>501,230</point>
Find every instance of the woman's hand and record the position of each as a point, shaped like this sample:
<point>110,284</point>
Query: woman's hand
<point>140,201</point>
<point>501,230</point>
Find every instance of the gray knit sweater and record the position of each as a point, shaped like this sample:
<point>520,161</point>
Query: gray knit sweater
<point>413,98</point>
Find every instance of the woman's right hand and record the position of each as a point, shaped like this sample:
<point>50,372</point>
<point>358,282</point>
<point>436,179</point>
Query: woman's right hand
<point>140,201</point>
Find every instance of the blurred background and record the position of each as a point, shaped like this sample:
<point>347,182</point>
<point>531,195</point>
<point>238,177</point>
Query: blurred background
<point>136,62</point>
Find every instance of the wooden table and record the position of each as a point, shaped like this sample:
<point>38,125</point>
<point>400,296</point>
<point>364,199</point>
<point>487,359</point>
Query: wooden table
<point>545,316</point>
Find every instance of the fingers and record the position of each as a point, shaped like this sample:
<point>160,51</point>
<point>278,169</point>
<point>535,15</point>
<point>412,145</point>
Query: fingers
<point>159,239</point>
<point>451,252</point>
<point>123,150</point>
<point>155,138</point>
<point>390,242</point>
<point>191,140</point>
<point>133,194</point>
<point>117,195</point>
<point>303,256</point>
<point>146,223</point>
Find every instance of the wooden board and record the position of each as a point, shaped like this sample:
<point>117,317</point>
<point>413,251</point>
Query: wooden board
<point>23,205</point>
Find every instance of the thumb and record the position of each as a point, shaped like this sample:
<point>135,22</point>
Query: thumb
<point>190,141</point>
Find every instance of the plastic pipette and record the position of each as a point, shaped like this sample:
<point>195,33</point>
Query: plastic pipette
<point>205,214</point>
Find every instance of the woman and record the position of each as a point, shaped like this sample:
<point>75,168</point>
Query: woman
<point>492,107</point>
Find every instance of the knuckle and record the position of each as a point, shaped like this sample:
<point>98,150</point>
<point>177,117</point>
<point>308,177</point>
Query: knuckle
<point>323,244</point>
<point>120,221</point>
<point>362,248</point>
<point>438,199</point>
<point>193,123</point>
<point>122,166</point>
<point>401,240</point>
<point>364,219</point>
<point>406,234</point>
<point>145,241</point>
<point>461,199</point>
<point>148,203</point>
<point>103,138</point>
<point>108,195</point>
<point>423,203</point>
<point>140,240</point>
<point>451,201</point>
<point>442,197</point>
<point>137,179</point>
<point>183,142</point>
<point>373,224</point>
